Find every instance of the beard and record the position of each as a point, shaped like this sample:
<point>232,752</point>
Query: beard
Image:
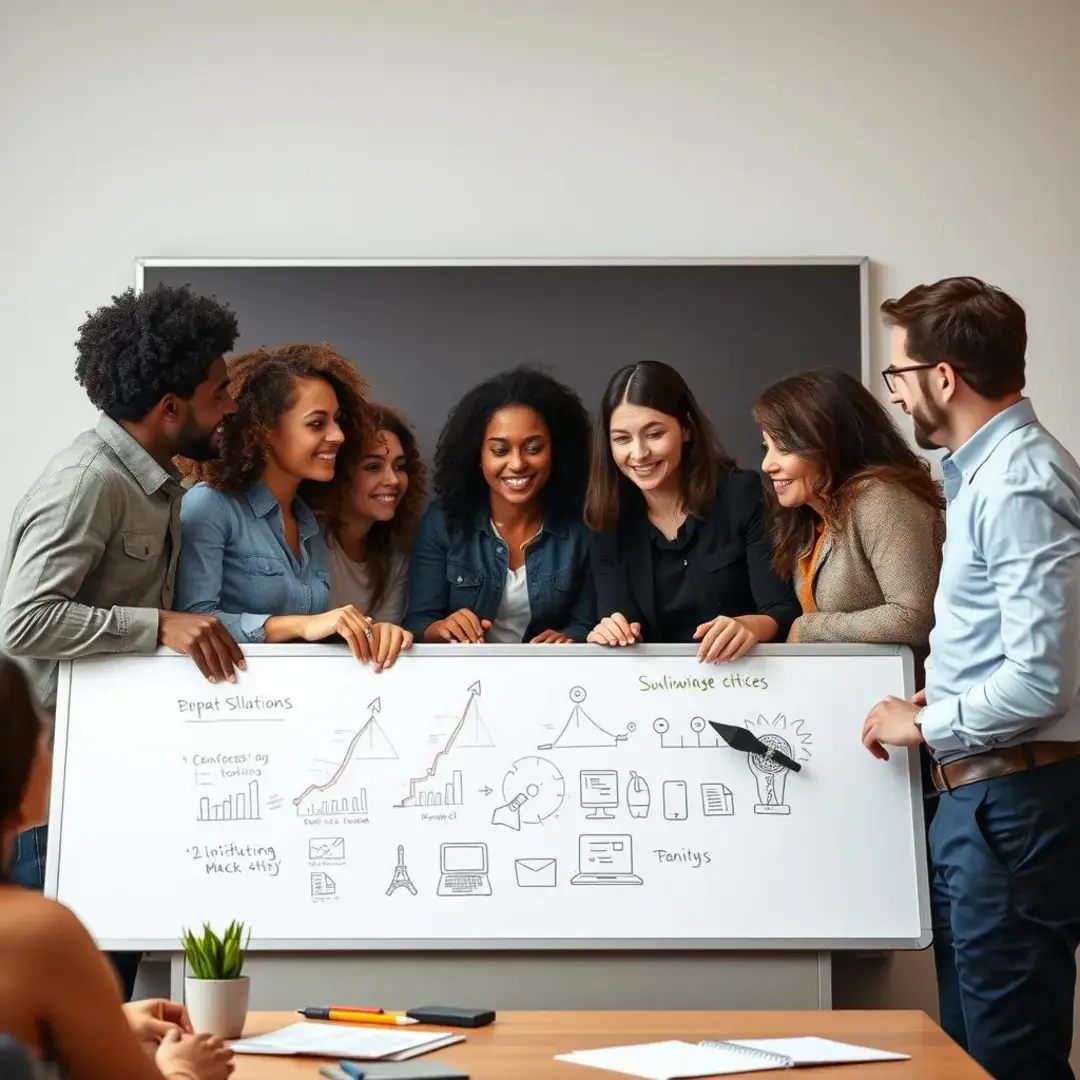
<point>927,420</point>
<point>196,444</point>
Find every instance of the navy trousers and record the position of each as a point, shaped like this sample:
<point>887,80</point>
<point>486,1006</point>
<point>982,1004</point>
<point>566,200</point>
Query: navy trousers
<point>1005,890</point>
<point>28,869</point>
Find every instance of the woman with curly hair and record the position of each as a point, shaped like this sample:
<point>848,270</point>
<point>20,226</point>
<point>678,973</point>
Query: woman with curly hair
<point>252,552</point>
<point>857,521</point>
<point>679,550</point>
<point>368,533</point>
<point>502,554</point>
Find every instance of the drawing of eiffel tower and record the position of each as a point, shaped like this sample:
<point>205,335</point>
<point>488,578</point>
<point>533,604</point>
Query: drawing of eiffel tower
<point>401,878</point>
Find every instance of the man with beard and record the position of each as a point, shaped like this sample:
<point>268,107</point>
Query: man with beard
<point>93,545</point>
<point>1000,711</point>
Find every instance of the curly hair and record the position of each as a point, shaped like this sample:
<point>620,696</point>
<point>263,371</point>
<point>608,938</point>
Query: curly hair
<point>262,382</point>
<point>21,728</point>
<point>385,539</point>
<point>458,480</point>
<point>134,351</point>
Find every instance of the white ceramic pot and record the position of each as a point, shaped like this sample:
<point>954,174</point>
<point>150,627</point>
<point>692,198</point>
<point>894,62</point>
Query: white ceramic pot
<point>217,1006</point>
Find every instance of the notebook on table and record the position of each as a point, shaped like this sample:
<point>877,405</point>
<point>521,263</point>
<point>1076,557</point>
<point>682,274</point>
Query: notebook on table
<point>676,1060</point>
<point>343,1041</point>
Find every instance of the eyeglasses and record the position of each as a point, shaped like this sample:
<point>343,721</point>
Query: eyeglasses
<point>890,373</point>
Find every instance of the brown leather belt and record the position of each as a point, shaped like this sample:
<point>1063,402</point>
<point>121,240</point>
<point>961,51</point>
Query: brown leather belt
<point>1009,759</point>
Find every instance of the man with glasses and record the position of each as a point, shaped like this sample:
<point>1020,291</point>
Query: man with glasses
<point>1001,708</point>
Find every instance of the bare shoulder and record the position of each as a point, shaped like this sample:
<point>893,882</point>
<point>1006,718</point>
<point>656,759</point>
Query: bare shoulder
<point>32,924</point>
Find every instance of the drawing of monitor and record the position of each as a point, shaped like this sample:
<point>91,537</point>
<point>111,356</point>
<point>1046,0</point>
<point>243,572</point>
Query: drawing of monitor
<point>464,870</point>
<point>599,791</point>
<point>605,860</point>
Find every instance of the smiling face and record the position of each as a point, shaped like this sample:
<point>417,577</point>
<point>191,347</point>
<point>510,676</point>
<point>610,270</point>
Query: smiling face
<point>516,454</point>
<point>793,478</point>
<point>305,441</point>
<point>914,392</point>
<point>200,418</point>
<point>381,480</point>
<point>647,445</point>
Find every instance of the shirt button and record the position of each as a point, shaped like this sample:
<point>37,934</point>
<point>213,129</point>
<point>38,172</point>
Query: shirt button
<point>686,562</point>
<point>459,579</point>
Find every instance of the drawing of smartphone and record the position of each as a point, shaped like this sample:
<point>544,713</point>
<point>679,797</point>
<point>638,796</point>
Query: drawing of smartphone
<point>675,800</point>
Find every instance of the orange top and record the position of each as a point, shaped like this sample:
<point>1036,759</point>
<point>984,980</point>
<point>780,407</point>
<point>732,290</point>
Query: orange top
<point>807,563</point>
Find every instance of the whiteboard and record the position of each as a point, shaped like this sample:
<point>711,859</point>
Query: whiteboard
<point>488,797</point>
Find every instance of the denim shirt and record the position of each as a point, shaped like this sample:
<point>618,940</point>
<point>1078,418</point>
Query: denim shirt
<point>235,564</point>
<point>452,568</point>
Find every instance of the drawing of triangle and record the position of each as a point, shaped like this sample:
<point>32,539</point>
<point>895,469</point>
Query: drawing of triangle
<point>473,731</point>
<point>373,743</point>
<point>582,730</point>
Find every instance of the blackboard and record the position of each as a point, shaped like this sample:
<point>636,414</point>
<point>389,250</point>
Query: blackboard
<point>423,332</point>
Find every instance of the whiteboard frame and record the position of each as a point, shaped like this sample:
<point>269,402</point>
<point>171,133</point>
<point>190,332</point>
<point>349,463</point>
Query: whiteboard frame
<point>861,261</point>
<point>278,945</point>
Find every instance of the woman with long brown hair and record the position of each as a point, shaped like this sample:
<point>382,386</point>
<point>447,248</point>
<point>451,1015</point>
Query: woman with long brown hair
<point>857,521</point>
<point>252,551</point>
<point>679,551</point>
<point>370,525</point>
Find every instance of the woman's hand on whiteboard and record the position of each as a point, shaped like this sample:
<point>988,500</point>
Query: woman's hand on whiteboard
<point>205,640</point>
<point>347,621</point>
<point>193,1057</point>
<point>723,639</point>
<point>614,629</point>
<point>388,640</point>
<point>463,625</point>
<point>552,637</point>
<point>153,1018</point>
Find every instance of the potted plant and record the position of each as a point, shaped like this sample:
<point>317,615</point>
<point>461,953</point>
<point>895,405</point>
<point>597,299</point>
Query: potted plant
<point>215,991</point>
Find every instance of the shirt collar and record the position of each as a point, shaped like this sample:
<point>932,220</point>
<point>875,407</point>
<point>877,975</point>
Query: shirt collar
<point>968,458</point>
<point>262,502</point>
<point>134,457</point>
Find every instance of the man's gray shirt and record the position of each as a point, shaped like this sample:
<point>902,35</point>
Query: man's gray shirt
<point>91,556</point>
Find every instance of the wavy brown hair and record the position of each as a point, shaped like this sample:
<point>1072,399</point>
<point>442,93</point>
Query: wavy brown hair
<point>832,421</point>
<point>658,386</point>
<point>384,539</point>
<point>263,384</point>
<point>21,727</point>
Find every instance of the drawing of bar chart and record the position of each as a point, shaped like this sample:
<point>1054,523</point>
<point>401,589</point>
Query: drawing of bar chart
<point>240,806</point>
<point>319,806</point>
<point>436,793</point>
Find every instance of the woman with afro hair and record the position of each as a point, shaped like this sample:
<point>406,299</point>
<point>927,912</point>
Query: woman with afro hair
<point>501,555</point>
<point>252,551</point>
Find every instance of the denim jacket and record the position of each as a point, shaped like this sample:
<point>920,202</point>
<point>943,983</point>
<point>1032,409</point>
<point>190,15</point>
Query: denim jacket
<point>452,569</point>
<point>235,564</point>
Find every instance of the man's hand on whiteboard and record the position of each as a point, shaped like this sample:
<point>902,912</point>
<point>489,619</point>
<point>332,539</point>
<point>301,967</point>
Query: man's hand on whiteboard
<point>723,639</point>
<point>919,700</point>
<point>205,640</point>
<point>387,641</point>
<point>891,722</point>
<point>614,629</point>
<point>193,1057</point>
<point>552,637</point>
<point>463,625</point>
<point>152,1019</point>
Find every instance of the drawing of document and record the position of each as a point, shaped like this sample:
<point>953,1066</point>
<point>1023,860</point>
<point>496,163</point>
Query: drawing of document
<point>536,873</point>
<point>717,800</point>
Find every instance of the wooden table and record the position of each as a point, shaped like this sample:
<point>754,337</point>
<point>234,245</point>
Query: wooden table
<point>522,1045</point>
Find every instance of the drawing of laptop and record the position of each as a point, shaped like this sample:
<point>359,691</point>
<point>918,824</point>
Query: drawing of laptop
<point>605,860</point>
<point>464,870</point>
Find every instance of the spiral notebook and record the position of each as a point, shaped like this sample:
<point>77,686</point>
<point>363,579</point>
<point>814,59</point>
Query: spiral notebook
<point>675,1060</point>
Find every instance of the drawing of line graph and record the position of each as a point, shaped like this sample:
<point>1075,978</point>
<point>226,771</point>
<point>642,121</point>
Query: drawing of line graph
<point>240,806</point>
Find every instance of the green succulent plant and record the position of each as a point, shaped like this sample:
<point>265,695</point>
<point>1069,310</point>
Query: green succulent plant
<point>213,957</point>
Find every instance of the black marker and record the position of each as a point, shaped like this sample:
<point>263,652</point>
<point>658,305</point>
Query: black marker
<point>739,738</point>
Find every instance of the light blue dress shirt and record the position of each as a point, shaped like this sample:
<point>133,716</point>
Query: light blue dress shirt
<point>235,564</point>
<point>1005,649</point>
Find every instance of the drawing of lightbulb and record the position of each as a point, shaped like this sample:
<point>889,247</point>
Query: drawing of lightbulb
<point>771,776</point>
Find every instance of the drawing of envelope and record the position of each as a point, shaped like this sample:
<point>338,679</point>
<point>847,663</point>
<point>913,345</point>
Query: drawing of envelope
<point>535,873</point>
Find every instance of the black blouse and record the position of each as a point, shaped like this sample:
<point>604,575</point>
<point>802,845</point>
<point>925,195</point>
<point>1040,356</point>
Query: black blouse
<point>719,565</point>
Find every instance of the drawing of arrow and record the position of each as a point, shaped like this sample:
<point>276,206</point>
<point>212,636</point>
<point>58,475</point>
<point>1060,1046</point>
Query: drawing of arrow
<point>485,791</point>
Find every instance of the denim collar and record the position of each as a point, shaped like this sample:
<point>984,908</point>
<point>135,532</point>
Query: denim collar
<point>262,502</point>
<point>552,525</point>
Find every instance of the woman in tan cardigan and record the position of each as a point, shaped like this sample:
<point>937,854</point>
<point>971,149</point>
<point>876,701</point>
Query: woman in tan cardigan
<point>857,520</point>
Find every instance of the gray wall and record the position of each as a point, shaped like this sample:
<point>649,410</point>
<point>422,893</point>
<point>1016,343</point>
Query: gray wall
<point>422,335</point>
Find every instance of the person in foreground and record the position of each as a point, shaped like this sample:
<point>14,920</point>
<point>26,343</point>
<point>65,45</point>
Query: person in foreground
<point>1001,708</point>
<point>679,547</point>
<point>857,522</point>
<point>94,542</point>
<point>253,553</point>
<point>369,530</point>
<point>502,554</point>
<point>58,996</point>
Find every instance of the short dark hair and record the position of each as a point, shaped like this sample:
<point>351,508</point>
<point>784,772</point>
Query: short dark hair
<point>263,383</point>
<point>977,328</point>
<point>20,730</point>
<point>134,351</point>
<point>658,386</point>
<point>458,480</point>
<point>829,419</point>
